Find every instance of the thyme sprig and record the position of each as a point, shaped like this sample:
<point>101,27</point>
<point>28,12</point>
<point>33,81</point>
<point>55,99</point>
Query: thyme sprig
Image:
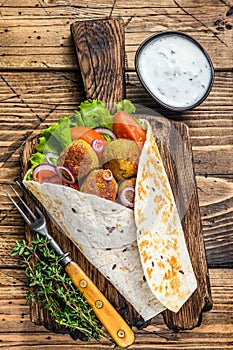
<point>53,288</point>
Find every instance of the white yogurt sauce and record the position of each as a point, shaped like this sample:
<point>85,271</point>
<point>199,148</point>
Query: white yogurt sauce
<point>175,70</point>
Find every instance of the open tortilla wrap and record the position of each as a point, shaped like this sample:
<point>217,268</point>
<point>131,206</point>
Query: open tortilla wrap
<point>142,252</point>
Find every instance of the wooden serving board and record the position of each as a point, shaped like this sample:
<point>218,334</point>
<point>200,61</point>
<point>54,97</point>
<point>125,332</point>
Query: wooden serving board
<point>100,51</point>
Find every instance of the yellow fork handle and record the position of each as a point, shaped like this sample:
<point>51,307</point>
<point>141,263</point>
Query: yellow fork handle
<point>108,316</point>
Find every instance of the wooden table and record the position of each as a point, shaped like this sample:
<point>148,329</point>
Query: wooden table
<point>40,82</point>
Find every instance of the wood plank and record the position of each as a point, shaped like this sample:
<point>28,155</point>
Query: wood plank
<point>28,34</point>
<point>38,93</point>
<point>100,48</point>
<point>207,162</point>
<point>215,332</point>
<point>217,218</point>
<point>146,5</point>
<point>41,95</point>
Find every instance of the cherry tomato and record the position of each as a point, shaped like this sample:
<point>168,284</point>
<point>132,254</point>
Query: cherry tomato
<point>44,176</point>
<point>86,134</point>
<point>125,126</point>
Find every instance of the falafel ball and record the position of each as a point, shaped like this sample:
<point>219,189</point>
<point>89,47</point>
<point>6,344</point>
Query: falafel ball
<point>126,183</point>
<point>79,157</point>
<point>121,156</point>
<point>101,183</point>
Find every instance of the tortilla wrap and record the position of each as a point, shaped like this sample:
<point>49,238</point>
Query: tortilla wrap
<point>126,245</point>
<point>161,242</point>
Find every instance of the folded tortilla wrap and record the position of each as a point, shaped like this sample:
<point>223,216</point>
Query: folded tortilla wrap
<point>126,245</point>
<point>161,242</point>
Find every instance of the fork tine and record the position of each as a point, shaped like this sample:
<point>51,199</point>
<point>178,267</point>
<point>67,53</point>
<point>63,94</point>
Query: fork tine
<point>19,209</point>
<point>21,186</point>
<point>24,204</point>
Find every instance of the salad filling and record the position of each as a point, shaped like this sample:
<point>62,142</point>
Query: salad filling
<point>92,151</point>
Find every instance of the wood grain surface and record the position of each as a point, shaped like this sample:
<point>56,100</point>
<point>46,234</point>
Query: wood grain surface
<point>40,81</point>
<point>17,330</point>
<point>36,33</point>
<point>174,144</point>
<point>100,48</point>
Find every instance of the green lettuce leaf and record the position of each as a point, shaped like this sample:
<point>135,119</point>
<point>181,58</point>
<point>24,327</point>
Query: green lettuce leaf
<point>56,137</point>
<point>76,119</point>
<point>62,132</point>
<point>126,106</point>
<point>95,114</point>
<point>36,159</point>
<point>29,176</point>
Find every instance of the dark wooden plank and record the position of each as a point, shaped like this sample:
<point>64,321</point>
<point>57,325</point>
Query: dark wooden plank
<point>216,201</point>
<point>25,106</point>
<point>100,49</point>
<point>51,94</point>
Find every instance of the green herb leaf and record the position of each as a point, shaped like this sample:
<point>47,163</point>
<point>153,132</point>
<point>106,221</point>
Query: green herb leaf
<point>50,285</point>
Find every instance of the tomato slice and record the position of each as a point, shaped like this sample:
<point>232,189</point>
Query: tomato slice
<point>125,126</point>
<point>44,176</point>
<point>55,180</point>
<point>86,134</point>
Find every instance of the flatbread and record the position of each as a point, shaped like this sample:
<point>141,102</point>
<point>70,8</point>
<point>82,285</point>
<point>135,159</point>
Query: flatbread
<point>105,233</point>
<point>124,245</point>
<point>161,242</point>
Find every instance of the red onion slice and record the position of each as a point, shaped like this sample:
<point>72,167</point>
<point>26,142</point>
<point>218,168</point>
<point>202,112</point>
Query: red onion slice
<point>60,169</point>
<point>98,145</point>
<point>123,198</point>
<point>49,156</point>
<point>47,167</point>
<point>107,132</point>
<point>108,176</point>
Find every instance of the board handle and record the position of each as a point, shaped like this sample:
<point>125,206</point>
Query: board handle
<point>108,316</point>
<point>100,48</point>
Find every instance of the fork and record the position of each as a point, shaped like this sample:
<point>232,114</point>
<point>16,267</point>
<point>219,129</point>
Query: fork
<point>106,313</point>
